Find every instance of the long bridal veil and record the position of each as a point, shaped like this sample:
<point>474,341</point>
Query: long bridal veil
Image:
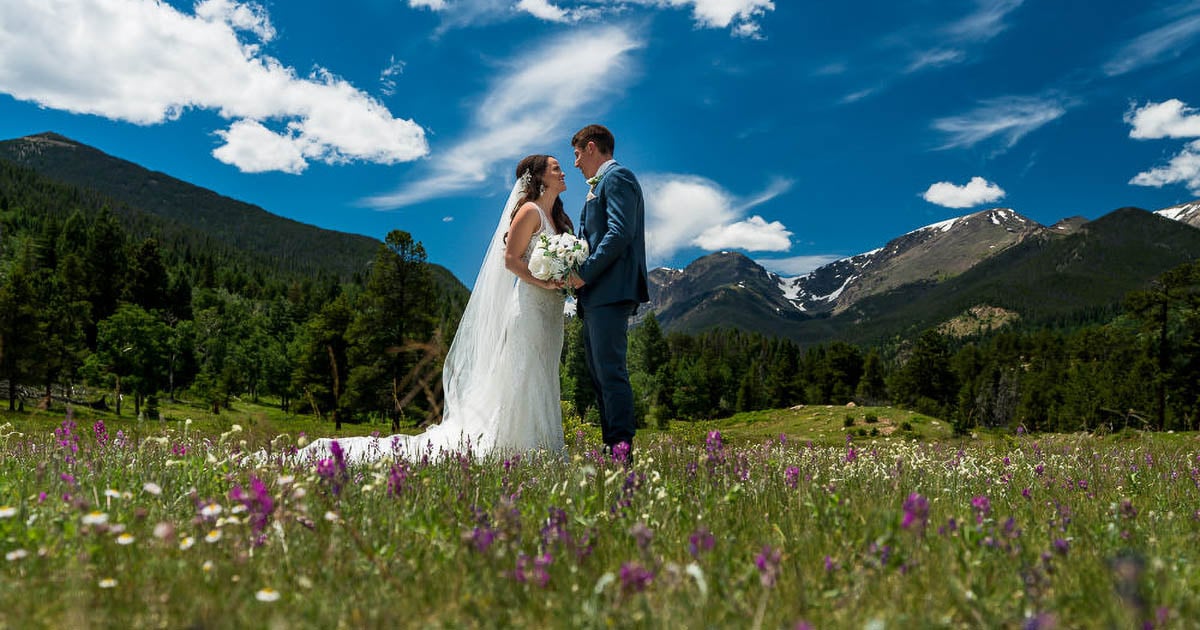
<point>475,376</point>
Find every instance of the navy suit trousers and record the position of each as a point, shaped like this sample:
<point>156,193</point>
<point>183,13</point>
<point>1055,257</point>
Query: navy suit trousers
<point>605,344</point>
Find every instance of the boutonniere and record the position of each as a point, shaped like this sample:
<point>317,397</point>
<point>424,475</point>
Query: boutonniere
<point>591,182</point>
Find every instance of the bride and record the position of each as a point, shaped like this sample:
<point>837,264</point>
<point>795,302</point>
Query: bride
<point>501,374</point>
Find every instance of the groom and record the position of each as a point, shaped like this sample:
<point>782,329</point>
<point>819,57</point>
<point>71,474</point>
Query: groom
<point>612,281</point>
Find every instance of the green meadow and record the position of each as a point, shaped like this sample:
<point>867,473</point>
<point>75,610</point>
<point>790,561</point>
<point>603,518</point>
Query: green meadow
<point>808,517</point>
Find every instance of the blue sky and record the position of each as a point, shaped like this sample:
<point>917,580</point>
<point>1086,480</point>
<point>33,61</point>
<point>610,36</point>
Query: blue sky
<point>797,132</point>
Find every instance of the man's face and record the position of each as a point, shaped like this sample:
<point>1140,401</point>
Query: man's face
<point>587,159</point>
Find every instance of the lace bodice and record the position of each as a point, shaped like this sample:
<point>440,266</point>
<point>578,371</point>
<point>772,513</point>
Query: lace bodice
<point>547,229</point>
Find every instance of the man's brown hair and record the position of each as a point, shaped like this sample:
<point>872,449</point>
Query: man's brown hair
<point>598,134</point>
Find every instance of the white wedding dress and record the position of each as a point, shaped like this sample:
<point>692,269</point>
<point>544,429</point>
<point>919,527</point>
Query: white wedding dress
<point>500,378</point>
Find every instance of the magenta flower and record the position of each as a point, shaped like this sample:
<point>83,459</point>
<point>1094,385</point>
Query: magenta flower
<point>767,562</point>
<point>620,452</point>
<point>642,535</point>
<point>982,506</point>
<point>397,479</point>
<point>791,476</point>
<point>635,578</point>
<point>259,507</point>
<point>916,511</point>
<point>101,433</point>
<point>700,541</point>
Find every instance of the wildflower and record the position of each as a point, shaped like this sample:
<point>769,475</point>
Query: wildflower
<point>152,488</point>
<point>95,518</point>
<point>16,554</point>
<point>258,503</point>
<point>163,531</point>
<point>101,432</point>
<point>213,536</point>
<point>7,511</point>
<point>480,538</point>
<point>207,567</point>
<point>1127,510</point>
<point>1061,546</point>
<point>716,448</point>
<point>186,543</point>
<point>210,509</point>
<point>112,494</point>
<point>397,479</point>
<point>125,539</point>
<point>620,452</point>
<point>641,534</point>
<point>768,565</point>
<point>108,583</point>
<point>267,594</point>
<point>830,565</point>
<point>635,578</point>
<point>332,517</point>
<point>791,477</point>
<point>700,541</point>
<point>983,507</point>
<point>284,480</point>
<point>916,511</point>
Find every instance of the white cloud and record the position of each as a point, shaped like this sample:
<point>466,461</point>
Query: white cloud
<point>543,10</point>
<point>797,265</point>
<point>686,210</point>
<point>935,58</point>
<point>986,22</point>
<point>753,234</point>
<point>1008,119</point>
<point>740,16</point>
<point>973,193</point>
<point>1184,169</point>
<point>147,63</point>
<point>1168,119</point>
<point>256,149</point>
<point>387,77</point>
<point>1165,42</point>
<point>519,115</point>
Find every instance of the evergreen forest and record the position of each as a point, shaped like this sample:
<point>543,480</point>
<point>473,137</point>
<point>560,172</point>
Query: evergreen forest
<point>105,306</point>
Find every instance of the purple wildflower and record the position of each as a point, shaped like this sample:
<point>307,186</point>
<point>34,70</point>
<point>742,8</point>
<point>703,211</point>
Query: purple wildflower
<point>642,535</point>
<point>1061,546</point>
<point>791,476</point>
<point>916,511</point>
<point>620,452</point>
<point>101,433</point>
<point>397,479</point>
<point>767,562</point>
<point>481,538</point>
<point>982,506</point>
<point>259,506</point>
<point>700,541</point>
<point>635,578</point>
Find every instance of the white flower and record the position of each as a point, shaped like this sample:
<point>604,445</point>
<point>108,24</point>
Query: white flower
<point>285,480</point>
<point>267,594</point>
<point>213,536</point>
<point>112,494</point>
<point>152,488</point>
<point>332,517</point>
<point>7,511</point>
<point>95,518</point>
<point>108,583</point>
<point>238,509</point>
<point>15,555</point>
<point>186,543</point>
<point>210,510</point>
<point>125,539</point>
<point>540,265</point>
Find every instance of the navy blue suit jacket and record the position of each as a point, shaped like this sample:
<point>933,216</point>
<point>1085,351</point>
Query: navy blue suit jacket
<point>614,225</point>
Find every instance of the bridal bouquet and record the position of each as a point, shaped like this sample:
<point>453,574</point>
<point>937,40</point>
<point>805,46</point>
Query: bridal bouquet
<point>555,257</point>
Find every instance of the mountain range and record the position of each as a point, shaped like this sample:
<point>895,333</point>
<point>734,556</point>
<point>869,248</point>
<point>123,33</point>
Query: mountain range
<point>966,274</point>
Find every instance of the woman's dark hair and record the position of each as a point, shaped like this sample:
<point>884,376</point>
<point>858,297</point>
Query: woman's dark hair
<point>536,166</point>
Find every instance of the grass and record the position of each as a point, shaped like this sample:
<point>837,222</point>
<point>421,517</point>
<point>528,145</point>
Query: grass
<point>717,524</point>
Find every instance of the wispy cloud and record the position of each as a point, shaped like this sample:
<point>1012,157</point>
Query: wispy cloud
<point>146,63</point>
<point>935,58</point>
<point>741,17</point>
<point>519,114</point>
<point>1169,41</point>
<point>387,77</point>
<point>1169,119</point>
<point>985,23</point>
<point>1006,119</point>
<point>686,211</point>
<point>973,193</point>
